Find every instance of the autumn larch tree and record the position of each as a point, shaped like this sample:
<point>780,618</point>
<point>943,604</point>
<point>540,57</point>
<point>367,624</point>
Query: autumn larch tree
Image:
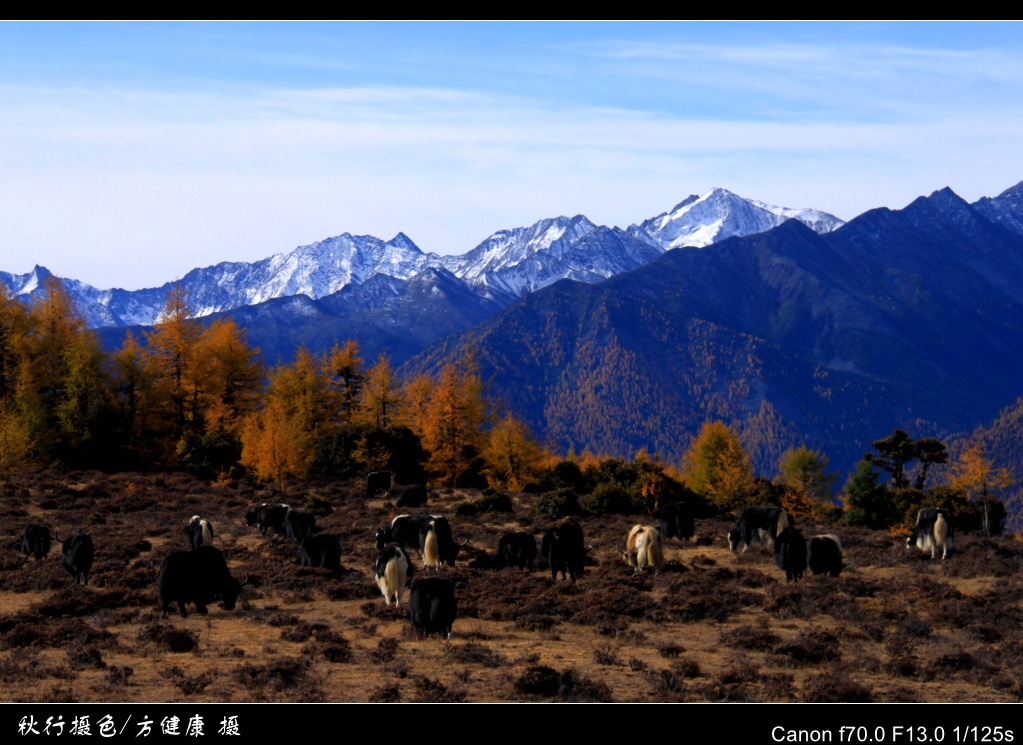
<point>975,474</point>
<point>62,393</point>
<point>454,421</point>
<point>171,353</point>
<point>280,441</point>
<point>717,467</point>
<point>804,475</point>
<point>512,454</point>
<point>344,369</point>
<point>381,396</point>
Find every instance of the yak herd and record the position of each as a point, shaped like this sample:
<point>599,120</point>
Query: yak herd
<point>199,575</point>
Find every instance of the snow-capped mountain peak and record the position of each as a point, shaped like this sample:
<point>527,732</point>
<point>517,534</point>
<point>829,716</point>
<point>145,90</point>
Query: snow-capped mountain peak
<point>506,265</point>
<point>720,214</point>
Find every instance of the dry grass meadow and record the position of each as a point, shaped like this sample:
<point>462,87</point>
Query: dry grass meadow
<point>715,626</point>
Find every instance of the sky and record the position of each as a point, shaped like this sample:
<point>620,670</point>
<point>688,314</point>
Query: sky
<point>131,153</point>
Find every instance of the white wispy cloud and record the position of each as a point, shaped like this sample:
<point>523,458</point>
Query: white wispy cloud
<point>129,185</point>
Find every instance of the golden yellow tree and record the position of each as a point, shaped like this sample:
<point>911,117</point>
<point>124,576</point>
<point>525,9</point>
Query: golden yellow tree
<point>808,484</point>
<point>275,445</point>
<point>171,354</point>
<point>975,474</point>
<point>13,327</point>
<point>454,421</point>
<point>231,376</point>
<point>137,413</point>
<point>416,402</point>
<point>280,441</point>
<point>344,369</point>
<point>513,457</point>
<point>381,398</point>
<point>718,467</point>
<point>61,391</point>
<point>15,442</point>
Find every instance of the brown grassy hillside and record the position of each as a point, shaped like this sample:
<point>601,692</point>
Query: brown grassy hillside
<point>714,627</point>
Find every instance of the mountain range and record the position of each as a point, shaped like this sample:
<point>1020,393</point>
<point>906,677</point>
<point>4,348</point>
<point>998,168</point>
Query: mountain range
<point>505,266</point>
<point>805,330</point>
<point>910,318</point>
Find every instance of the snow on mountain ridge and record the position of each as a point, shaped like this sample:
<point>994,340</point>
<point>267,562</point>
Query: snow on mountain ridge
<point>506,265</point>
<point>720,214</point>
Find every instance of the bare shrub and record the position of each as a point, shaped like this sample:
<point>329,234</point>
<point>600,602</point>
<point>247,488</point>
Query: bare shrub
<point>21,668</point>
<point>539,680</point>
<point>810,648</point>
<point>191,685</point>
<point>740,671</point>
<point>667,684</point>
<point>81,657</point>
<point>276,675</point>
<point>958,664</point>
<point>756,636</point>
<point>386,694</point>
<point>916,627</point>
<point>385,651</point>
<point>784,602</point>
<point>671,650</point>
<point>834,686</point>
<point>474,653</point>
<point>607,654</point>
<point>168,638</point>
<point>576,688</point>
<point>433,691</point>
<point>119,675</point>
<point>331,645</point>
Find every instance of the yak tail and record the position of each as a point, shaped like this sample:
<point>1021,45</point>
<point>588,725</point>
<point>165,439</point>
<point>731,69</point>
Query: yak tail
<point>207,533</point>
<point>431,554</point>
<point>654,551</point>
<point>783,522</point>
<point>392,581</point>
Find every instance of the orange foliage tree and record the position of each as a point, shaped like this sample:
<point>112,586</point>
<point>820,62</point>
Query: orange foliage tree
<point>455,418</point>
<point>717,467</point>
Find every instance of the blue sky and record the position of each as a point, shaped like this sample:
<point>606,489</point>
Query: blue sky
<point>131,153</point>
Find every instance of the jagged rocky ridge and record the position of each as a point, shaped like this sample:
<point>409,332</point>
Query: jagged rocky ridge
<point>506,266</point>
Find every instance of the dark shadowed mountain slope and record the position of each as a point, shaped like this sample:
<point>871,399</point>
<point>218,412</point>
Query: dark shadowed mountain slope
<point>399,317</point>
<point>911,318</point>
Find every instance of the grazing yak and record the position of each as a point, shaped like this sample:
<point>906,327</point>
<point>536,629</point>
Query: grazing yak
<point>198,532</point>
<point>436,544</point>
<point>376,482</point>
<point>790,554</point>
<point>297,525</point>
<point>824,555</point>
<point>432,605</point>
<point>320,550</point>
<point>403,530</point>
<point>934,530</point>
<point>200,577</point>
<point>643,548</point>
<point>428,545</point>
<point>564,549</point>
<point>412,496</point>
<point>36,541</point>
<point>77,553</point>
<point>517,549</point>
<point>677,521</point>
<point>759,524</point>
<point>393,571</point>
<point>267,515</point>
